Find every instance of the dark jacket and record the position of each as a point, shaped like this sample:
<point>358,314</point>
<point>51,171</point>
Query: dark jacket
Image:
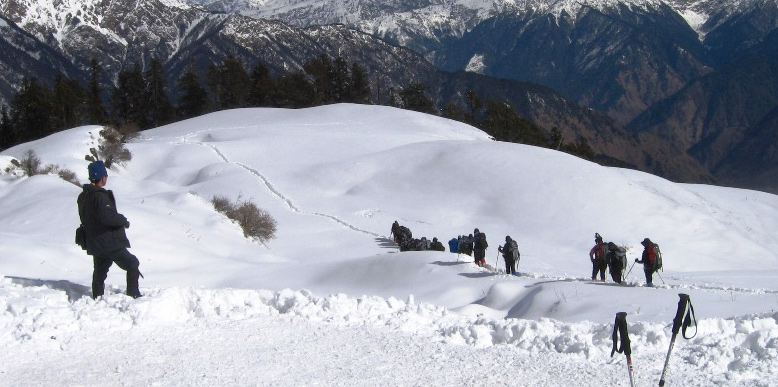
<point>103,225</point>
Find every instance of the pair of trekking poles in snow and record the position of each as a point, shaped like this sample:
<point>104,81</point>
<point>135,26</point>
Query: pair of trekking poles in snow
<point>684,318</point>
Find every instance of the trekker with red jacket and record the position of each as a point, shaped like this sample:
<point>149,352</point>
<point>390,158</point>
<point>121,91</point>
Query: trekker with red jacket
<point>597,256</point>
<point>648,260</point>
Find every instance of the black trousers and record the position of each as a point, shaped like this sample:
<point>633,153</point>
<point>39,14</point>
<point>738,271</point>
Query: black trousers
<point>598,266</point>
<point>125,260</point>
<point>510,265</point>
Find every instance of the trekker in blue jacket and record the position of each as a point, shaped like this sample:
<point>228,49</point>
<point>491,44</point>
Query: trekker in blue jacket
<point>104,227</point>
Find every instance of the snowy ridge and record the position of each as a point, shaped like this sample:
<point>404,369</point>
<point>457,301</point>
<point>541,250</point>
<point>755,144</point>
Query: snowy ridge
<point>394,19</point>
<point>332,288</point>
<point>56,318</point>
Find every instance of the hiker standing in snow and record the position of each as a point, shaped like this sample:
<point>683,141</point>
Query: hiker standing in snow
<point>479,248</point>
<point>466,245</point>
<point>510,253</point>
<point>616,257</point>
<point>104,227</point>
<point>436,245</point>
<point>395,231</point>
<point>453,244</point>
<point>597,256</point>
<point>648,260</point>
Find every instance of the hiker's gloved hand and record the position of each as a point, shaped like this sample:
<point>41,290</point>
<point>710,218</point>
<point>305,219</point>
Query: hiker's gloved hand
<point>636,260</point>
<point>127,225</point>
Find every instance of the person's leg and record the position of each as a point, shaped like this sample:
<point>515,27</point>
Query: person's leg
<point>125,260</point>
<point>99,274</point>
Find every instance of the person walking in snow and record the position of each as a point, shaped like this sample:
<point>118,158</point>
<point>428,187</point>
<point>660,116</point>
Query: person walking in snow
<point>395,234</point>
<point>648,260</point>
<point>510,253</point>
<point>106,240</point>
<point>597,256</point>
<point>479,248</point>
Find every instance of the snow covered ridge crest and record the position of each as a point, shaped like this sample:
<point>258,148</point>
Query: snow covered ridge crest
<point>42,314</point>
<point>458,15</point>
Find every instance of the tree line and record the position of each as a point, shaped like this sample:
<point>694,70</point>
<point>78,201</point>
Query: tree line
<point>141,100</point>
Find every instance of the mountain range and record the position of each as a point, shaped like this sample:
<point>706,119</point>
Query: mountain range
<point>683,89</point>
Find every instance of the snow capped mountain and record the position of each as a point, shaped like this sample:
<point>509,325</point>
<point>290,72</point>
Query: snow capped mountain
<point>436,20</point>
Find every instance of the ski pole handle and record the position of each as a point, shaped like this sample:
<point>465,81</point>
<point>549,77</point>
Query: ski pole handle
<point>677,321</point>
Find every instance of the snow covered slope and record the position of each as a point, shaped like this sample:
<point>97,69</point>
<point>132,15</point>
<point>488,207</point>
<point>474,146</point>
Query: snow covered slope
<point>335,178</point>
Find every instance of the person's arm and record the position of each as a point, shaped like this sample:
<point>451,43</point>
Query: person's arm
<point>106,212</point>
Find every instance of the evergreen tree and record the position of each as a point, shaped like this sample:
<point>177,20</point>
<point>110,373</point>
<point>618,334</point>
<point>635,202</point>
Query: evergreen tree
<point>581,148</point>
<point>504,124</point>
<point>360,85</point>
<point>68,103</point>
<point>7,138</point>
<point>229,83</point>
<point>159,111</point>
<point>31,110</point>
<point>474,105</point>
<point>454,112</point>
<point>193,100</point>
<point>95,110</point>
<point>263,88</point>
<point>322,71</point>
<point>129,98</point>
<point>557,139</point>
<point>341,81</point>
<point>414,97</point>
<point>295,91</point>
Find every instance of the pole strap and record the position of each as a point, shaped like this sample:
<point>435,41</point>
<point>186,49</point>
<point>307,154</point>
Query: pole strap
<point>621,336</point>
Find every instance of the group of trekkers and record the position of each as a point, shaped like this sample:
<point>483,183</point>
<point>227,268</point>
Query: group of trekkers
<point>609,255</point>
<point>404,238</point>
<point>603,255</point>
<point>474,244</point>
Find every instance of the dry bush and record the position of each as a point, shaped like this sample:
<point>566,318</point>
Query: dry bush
<point>31,165</point>
<point>256,223</point>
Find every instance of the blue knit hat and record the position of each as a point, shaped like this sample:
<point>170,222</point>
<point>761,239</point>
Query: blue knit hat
<point>97,170</point>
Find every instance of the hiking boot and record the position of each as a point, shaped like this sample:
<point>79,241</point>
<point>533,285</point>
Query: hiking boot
<point>132,283</point>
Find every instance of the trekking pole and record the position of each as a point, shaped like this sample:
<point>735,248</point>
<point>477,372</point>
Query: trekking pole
<point>678,322</point>
<point>660,277</point>
<point>630,269</point>
<point>620,329</point>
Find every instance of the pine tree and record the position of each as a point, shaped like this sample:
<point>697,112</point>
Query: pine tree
<point>360,85</point>
<point>503,123</point>
<point>557,139</point>
<point>159,111</point>
<point>31,110</point>
<point>474,105</point>
<point>95,110</point>
<point>414,97</point>
<point>454,112</point>
<point>7,138</point>
<point>322,71</point>
<point>231,84</point>
<point>68,103</point>
<point>294,91</point>
<point>129,98</point>
<point>263,88</point>
<point>341,81</point>
<point>193,100</point>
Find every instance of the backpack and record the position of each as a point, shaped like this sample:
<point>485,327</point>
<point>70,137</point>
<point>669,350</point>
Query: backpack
<point>480,241</point>
<point>514,250</point>
<point>658,257</point>
<point>620,255</point>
